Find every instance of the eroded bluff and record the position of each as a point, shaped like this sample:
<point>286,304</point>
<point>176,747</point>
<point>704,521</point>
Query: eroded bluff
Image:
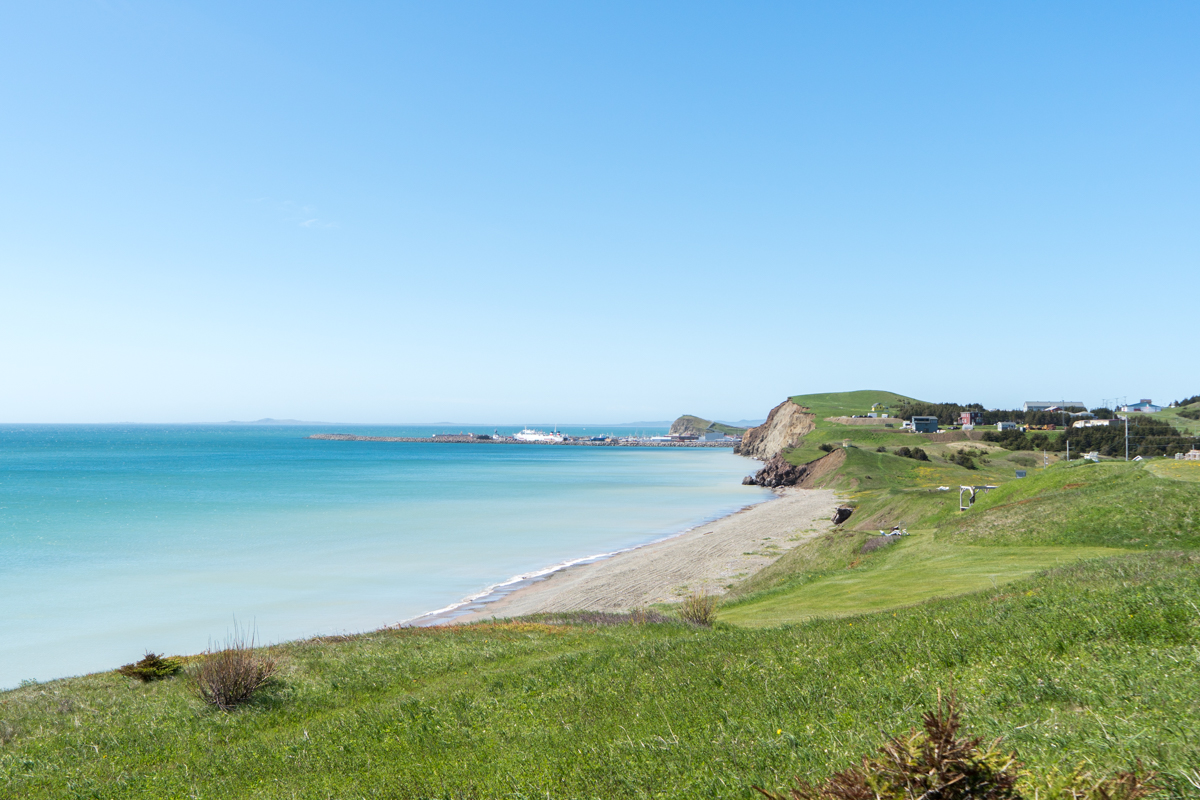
<point>786,425</point>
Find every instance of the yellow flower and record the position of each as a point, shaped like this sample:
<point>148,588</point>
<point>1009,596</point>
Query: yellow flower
<point>779,732</point>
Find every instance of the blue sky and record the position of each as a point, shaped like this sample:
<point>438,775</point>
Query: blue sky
<point>508,212</point>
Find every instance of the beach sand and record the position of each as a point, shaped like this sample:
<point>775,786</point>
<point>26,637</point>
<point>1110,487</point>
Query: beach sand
<point>708,558</point>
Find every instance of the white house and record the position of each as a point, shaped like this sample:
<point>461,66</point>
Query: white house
<point>1006,426</point>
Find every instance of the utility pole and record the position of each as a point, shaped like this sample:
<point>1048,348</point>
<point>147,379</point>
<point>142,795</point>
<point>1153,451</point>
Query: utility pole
<point>1068,451</point>
<point>1127,437</point>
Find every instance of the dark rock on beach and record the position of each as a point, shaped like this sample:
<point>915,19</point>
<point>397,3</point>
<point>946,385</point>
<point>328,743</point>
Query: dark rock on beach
<point>777,472</point>
<point>841,514</point>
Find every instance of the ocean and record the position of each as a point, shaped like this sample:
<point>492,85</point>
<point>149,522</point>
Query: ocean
<point>117,539</point>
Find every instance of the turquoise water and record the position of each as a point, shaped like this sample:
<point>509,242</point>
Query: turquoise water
<point>115,539</point>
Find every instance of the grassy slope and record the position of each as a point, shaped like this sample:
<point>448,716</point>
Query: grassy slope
<point>701,424</point>
<point>1067,512</point>
<point>1097,659</point>
<point>910,571</point>
<point>1171,417</point>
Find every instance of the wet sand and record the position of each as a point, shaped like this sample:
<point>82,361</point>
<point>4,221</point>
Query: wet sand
<point>708,558</point>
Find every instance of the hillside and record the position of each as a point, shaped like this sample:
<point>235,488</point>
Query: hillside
<point>688,424</point>
<point>1095,661</point>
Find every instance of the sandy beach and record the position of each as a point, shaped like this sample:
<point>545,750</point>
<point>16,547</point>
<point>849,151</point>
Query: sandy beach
<point>708,558</point>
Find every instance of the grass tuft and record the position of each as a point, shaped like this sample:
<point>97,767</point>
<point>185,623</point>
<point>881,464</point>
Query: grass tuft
<point>699,609</point>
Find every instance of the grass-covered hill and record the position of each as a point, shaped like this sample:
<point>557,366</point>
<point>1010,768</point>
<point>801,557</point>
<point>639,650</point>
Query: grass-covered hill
<point>692,424</point>
<point>1063,609</point>
<point>1094,661</point>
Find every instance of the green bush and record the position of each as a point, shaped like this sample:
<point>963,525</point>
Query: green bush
<point>936,763</point>
<point>152,667</point>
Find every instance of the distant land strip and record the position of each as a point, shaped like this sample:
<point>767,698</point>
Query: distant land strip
<point>443,439</point>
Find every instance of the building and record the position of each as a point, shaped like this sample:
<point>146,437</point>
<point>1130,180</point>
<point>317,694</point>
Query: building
<point>713,436</point>
<point>925,424</point>
<point>1143,405</point>
<point>1093,423</point>
<point>1194,455</point>
<point>970,417</point>
<point>1046,405</point>
<point>1006,426</point>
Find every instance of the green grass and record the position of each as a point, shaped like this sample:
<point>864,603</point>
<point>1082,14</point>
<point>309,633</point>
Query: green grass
<point>848,404</point>
<point>1092,661</point>
<point>1104,505</point>
<point>909,571</point>
<point>1175,470</point>
<point>1183,424</point>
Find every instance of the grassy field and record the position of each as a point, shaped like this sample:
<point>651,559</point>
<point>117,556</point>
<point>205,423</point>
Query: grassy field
<point>905,572</point>
<point>1063,608</point>
<point>1095,661</point>
<point>1171,417</point>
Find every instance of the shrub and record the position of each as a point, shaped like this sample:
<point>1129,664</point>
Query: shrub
<point>699,609</point>
<point>904,451</point>
<point>7,732</point>
<point>918,454</point>
<point>152,667</point>
<point>935,763</point>
<point>881,449</point>
<point>964,460</point>
<point>230,676</point>
<point>825,447</point>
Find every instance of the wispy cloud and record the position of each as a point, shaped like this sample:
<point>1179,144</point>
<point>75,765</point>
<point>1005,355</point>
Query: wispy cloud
<point>300,215</point>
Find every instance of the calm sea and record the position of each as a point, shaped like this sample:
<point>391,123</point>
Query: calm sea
<point>116,539</point>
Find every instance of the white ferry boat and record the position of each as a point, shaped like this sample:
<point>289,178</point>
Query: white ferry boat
<point>530,435</point>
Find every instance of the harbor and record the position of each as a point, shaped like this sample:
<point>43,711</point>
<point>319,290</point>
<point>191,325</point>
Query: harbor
<point>539,437</point>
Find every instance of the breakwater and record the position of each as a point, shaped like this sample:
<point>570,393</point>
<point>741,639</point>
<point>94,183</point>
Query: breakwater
<point>349,437</point>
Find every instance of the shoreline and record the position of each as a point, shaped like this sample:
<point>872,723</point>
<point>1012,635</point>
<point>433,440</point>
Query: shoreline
<point>448,439</point>
<point>707,557</point>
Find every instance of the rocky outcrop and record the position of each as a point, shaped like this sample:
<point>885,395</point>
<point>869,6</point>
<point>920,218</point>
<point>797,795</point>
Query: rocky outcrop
<point>841,514</point>
<point>785,426</point>
<point>687,424</point>
<point>779,472</point>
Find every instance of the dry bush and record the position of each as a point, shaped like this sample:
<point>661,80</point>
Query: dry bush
<point>152,667</point>
<point>699,609</point>
<point>230,676</point>
<point>935,763</point>
<point>7,732</point>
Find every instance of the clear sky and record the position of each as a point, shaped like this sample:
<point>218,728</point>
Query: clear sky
<point>510,212</point>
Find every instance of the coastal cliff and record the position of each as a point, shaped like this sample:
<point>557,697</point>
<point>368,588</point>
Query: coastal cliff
<point>785,426</point>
